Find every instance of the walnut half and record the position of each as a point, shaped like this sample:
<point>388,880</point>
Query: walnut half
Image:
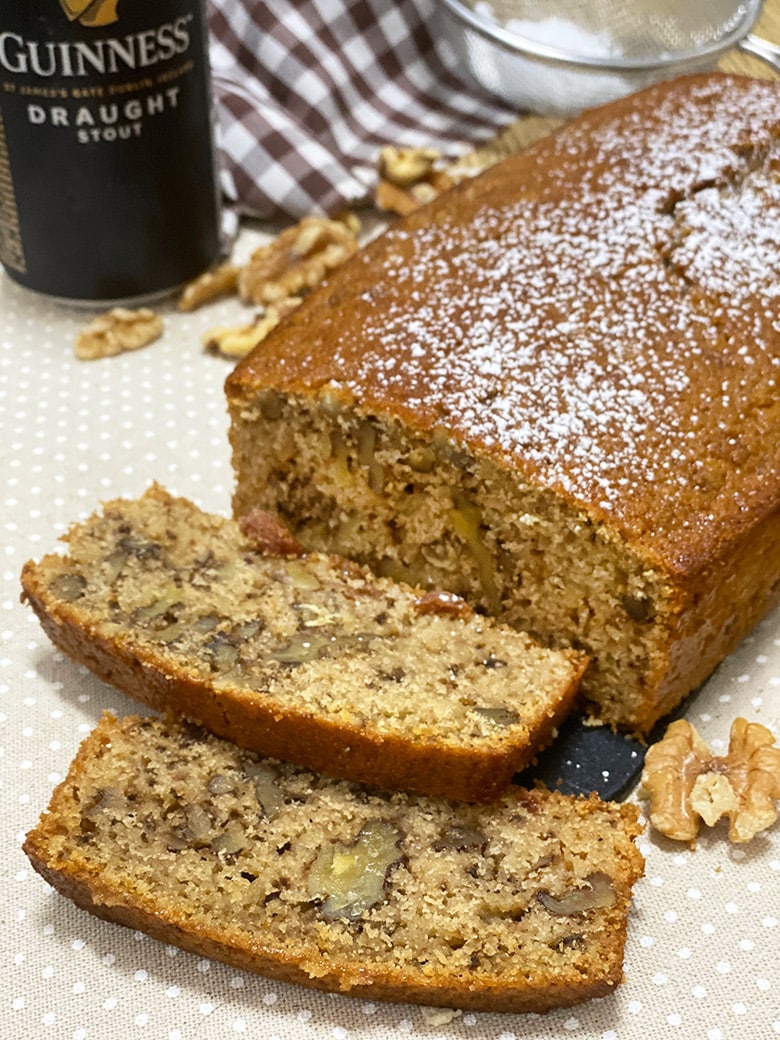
<point>118,330</point>
<point>686,783</point>
<point>297,260</point>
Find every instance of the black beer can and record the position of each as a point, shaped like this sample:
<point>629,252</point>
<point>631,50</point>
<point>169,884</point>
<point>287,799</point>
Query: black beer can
<point>108,182</point>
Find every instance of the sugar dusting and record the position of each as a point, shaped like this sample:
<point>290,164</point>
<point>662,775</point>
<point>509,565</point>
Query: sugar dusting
<point>623,334</point>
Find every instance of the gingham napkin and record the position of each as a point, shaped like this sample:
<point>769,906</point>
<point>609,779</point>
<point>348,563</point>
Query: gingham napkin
<point>308,91</point>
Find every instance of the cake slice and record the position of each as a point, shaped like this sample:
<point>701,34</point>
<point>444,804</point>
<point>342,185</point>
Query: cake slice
<point>305,657</point>
<point>517,906</point>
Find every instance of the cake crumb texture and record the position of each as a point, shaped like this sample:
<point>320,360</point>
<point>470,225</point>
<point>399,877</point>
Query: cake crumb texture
<point>307,657</point>
<point>517,906</point>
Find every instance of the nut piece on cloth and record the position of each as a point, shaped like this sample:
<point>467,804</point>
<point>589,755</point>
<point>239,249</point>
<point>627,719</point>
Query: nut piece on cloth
<point>219,281</point>
<point>236,341</point>
<point>296,260</point>
<point>306,94</point>
<point>276,277</point>
<point>686,783</point>
<point>118,330</point>
<point>408,178</point>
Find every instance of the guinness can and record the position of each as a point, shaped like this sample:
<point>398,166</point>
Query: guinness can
<point>108,184</point>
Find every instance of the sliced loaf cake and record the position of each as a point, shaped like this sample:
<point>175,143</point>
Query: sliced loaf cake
<point>517,906</point>
<point>306,657</point>
<point>553,391</point>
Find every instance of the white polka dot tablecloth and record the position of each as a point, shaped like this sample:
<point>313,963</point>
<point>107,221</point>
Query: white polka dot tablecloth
<point>703,952</point>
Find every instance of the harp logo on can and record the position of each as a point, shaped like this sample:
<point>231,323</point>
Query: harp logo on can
<point>91,13</point>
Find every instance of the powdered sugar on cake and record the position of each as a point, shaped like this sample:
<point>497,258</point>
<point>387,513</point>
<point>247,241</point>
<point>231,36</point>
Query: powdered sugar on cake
<point>556,328</point>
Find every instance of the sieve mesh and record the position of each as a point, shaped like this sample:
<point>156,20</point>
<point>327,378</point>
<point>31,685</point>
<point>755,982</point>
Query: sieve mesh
<point>642,31</point>
<point>556,57</point>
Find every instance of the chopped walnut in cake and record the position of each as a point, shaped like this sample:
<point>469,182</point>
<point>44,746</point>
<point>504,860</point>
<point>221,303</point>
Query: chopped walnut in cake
<point>269,534</point>
<point>447,604</point>
<point>116,331</point>
<point>687,784</point>
<point>348,879</point>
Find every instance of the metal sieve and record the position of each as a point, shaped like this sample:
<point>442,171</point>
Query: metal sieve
<point>558,58</point>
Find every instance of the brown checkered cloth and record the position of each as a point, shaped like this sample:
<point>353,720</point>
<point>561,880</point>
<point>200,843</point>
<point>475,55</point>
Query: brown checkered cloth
<point>308,91</point>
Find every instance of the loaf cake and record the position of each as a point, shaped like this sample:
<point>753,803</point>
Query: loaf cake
<point>305,657</point>
<point>517,906</point>
<point>553,391</point>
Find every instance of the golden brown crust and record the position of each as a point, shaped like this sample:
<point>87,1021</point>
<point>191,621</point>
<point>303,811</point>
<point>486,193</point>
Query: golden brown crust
<point>316,742</point>
<point>581,290</point>
<point>114,894</point>
<point>718,605</point>
<point>254,717</point>
<point>271,963</point>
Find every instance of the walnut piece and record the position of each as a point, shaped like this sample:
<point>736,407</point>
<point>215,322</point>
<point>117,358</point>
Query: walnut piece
<point>408,178</point>
<point>68,587</point>
<point>350,879</point>
<point>447,604</point>
<point>219,281</point>
<point>596,893</point>
<point>407,166</point>
<point>236,341</point>
<point>686,783</point>
<point>466,520</point>
<point>269,534</point>
<point>118,330</point>
<point>297,260</point>
<point>270,796</point>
